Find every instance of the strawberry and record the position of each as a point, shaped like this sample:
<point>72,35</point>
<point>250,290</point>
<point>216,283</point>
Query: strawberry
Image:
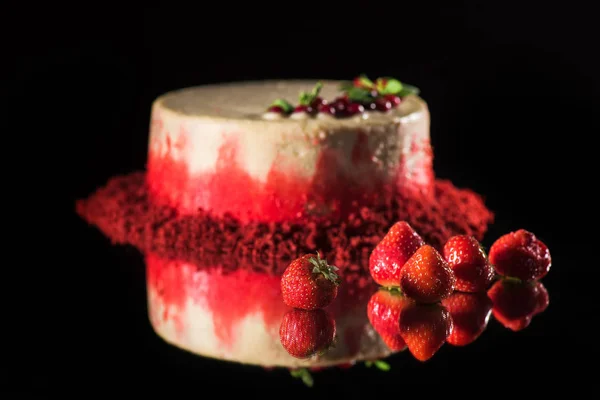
<point>392,252</point>
<point>424,328</point>
<point>466,258</point>
<point>304,333</point>
<point>426,277</point>
<point>542,299</point>
<point>520,255</point>
<point>514,303</point>
<point>309,283</point>
<point>470,314</point>
<point>383,311</point>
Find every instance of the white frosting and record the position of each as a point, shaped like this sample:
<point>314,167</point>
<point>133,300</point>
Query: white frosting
<point>203,119</point>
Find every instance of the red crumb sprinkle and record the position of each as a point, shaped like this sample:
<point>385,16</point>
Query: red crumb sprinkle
<point>122,211</point>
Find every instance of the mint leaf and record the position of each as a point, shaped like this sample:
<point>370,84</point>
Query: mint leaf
<point>360,95</point>
<point>306,99</point>
<point>284,104</point>
<point>382,365</point>
<point>363,82</point>
<point>408,89</point>
<point>346,85</point>
<point>392,86</point>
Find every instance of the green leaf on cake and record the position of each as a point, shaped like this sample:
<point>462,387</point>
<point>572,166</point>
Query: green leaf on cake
<point>306,98</point>
<point>408,89</point>
<point>363,82</point>
<point>284,104</point>
<point>359,95</point>
<point>388,86</point>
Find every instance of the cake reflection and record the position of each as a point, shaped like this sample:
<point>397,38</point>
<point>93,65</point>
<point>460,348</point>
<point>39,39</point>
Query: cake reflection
<point>236,314</point>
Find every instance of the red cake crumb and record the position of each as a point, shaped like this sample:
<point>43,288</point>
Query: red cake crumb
<point>122,211</point>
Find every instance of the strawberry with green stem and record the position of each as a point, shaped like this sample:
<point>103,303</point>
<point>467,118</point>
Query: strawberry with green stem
<point>309,283</point>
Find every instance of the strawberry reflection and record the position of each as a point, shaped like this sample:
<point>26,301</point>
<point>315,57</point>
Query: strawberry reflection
<point>470,313</point>
<point>459,320</point>
<point>383,311</point>
<point>403,323</point>
<point>424,328</point>
<point>515,303</point>
<point>305,333</point>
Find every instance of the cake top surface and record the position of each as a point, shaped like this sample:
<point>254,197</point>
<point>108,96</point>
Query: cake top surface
<point>250,100</point>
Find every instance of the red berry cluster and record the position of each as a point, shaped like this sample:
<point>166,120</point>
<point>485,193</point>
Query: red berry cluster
<point>308,284</point>
<point>444,296</point>
<point>358,96</point>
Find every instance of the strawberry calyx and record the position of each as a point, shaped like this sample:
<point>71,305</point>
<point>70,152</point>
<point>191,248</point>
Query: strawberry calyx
<point>394,290</point>
<point>322,267</point>
<point>511,280</point>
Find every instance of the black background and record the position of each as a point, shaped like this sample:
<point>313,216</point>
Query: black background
<point>513,94</point>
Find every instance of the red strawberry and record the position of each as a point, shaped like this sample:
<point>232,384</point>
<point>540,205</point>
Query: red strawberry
<point>466,258</point>
<point>426,277</point>
<point>470,314</point>
<point>520,255</point>
<point>514,303</point>
<point>384,310</point>
<point>309,283</point>
<point>542,299</point>
<point>304,333</point>
<point>392,252</point>
<point>424,328</point>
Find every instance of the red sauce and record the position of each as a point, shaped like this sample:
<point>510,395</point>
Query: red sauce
<point>286,195</point>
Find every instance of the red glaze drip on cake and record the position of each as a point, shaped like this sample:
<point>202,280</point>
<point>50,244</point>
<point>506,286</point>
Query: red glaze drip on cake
<point>237,163</point>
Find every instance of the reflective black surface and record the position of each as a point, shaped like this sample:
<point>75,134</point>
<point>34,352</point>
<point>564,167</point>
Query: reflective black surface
<point>513,93</point>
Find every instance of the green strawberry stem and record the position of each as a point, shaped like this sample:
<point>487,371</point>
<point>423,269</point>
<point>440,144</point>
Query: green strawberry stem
<point>393,290</point>
<point>304,375</point>
<point>321,267</point>
<point>510,279</point>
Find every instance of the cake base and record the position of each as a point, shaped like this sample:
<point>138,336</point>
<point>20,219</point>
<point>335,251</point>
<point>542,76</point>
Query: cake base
<point>123,212</point>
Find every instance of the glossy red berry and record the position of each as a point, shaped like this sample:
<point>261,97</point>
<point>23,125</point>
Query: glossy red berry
<point>317,102</point>
<point>355,108</point>
<point>275,109</point>
<point>395,100</point>
<point>383,104</point>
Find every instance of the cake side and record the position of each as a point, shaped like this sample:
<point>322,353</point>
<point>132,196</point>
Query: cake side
<point>228,159</point>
